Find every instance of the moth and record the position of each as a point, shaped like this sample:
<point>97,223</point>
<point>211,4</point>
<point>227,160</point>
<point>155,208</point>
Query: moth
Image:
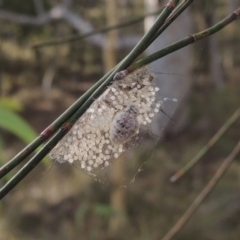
<point>124,125</point>
<point>110,125</point>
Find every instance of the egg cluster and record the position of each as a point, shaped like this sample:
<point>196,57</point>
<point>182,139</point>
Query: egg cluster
<point>111,123</point>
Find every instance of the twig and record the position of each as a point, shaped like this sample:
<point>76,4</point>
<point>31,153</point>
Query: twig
<point>188,40</point>
<point>182,6</point>
<point>176,12</point>
<point>49,131</point>
<point>62,12</point>
<point>184,42</point>
<point>67,126</point>
<point>207,147</point>
<point>202,196</point>
<point>77,37</point>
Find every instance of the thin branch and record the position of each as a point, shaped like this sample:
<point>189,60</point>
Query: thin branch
<point>77,22</point>
<point>67,126</point>
<point>207,147</point>
<point>202,196</point>
<point>77,37</point>
<point>62,12</point>
<point>176,12</point>
<point>84,102</point>
<point>188,40</point>
<point>56,13</point>
<point>48,132</point>
<point>182,43</point>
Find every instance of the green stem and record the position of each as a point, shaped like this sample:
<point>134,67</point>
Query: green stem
<point>69,112</point>
<point>188,40</point>
<point>49,131</point>
<point>202,196</point>
<point>177,11</point>
<point>124,64</point>
<point>207,147</point>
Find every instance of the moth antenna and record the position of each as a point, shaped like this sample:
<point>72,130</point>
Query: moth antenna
<point>109,180</point>
<point>161,110</point>
<point>167,73</point>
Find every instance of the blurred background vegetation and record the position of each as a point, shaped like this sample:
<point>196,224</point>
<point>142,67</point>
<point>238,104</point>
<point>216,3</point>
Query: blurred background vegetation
<point>37,85</point>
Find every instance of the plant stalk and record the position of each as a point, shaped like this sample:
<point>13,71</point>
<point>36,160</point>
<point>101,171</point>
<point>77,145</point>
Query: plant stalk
<point>77,37</point>
<point>207,147</point>
<point>49,131</point>
<point>202,196</point>
<point>67,126</point>
<point>188,40</point>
